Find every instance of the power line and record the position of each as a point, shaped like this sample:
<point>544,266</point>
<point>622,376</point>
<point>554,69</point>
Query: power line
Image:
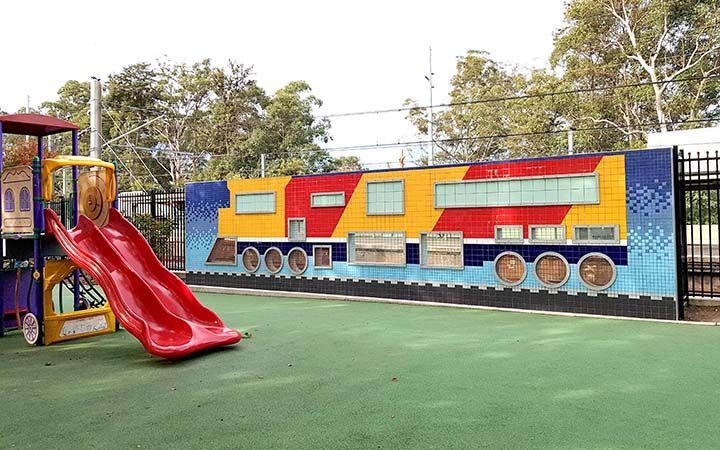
<point>519,97</point>
<point>480,101</point>
<point>362,147</point>
<point>491,136</point>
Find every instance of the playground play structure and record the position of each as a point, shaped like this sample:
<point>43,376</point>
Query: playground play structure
<point>39,253</point>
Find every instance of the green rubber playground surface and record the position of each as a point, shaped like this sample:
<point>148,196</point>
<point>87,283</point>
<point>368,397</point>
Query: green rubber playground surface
<point>329,375</point>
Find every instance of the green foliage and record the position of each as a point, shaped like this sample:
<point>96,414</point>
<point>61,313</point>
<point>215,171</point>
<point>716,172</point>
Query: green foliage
<point>480,77</point>
<point>614,42</point>
<point>156,231</point>
<point>602,44</point>
<point>287,132</point>
<point>208,122</point>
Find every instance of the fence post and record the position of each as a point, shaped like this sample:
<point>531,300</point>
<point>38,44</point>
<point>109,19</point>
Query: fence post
<point>63,212</point>
<point>153,207</point>
<point>681,263</point>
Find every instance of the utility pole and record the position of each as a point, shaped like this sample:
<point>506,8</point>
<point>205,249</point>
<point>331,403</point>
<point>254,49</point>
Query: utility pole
<point>27,111</point>
<point>95,117</point>
<point>262,165</point>
<point>571,143</point>
<point>429,77</point>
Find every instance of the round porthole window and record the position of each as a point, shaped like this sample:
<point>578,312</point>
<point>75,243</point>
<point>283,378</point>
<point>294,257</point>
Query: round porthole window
<point>552,269</point>
<point>297,260</point>
<point>510,268</point>
<point>250,259</point>
<point>273,260</point>
<point>597,271</point>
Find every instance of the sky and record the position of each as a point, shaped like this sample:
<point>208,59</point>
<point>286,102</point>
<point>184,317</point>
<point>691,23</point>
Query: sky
<point>356,56</point>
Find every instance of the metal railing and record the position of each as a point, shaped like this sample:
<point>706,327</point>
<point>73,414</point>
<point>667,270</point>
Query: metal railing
<point>699,180</point>
<point>158,215</point>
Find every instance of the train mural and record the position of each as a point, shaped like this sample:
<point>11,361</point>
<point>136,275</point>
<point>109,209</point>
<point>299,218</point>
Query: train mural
<point>591,233</point>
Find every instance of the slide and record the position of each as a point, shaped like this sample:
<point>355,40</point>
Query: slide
<point>149,301</point>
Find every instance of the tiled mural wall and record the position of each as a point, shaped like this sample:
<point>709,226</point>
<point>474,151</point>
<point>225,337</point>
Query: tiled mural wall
<point>585,233</point>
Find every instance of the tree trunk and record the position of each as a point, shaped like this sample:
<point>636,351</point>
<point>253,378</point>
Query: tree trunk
<point>659,108</point>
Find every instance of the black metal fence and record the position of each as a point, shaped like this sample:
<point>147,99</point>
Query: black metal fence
<point>63,208</point>
<point>159,215</point>
<point>698,179</point>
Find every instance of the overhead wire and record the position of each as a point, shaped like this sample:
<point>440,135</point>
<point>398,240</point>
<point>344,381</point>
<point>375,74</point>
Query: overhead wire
<point>519,97</point>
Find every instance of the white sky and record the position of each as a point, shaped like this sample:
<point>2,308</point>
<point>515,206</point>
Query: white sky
<point>356,55</point>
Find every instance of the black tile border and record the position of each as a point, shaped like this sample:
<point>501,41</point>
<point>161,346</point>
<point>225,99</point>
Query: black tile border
<point>541,300</point>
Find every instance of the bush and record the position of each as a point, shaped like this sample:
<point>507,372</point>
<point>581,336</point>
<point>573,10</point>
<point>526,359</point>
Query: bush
<point>156,231</point>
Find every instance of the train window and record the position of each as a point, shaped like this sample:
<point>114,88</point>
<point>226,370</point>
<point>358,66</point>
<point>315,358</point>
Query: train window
<point>273,260</point>
<point>385,197</point>
<point>552,269</point>
<point>255,203</point>
<point>442,249</point>
<point>510,268</point>
<point>327,199</point>
<point>322,256</point>
<point>526,191</point>
<point>596,234</point>
<point>597,271</point>
<point>224,251</point>
<point>296,229</point>
<point>250,259</point>
<point>548,234</point>
<point>297,260</point>
<point>506,234</point>
<point>376,248</point>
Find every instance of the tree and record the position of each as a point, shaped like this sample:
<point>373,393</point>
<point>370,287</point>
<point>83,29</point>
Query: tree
<point>165,123</point>
<point>288,133</point>
<point>346,164</point>
<point>607,43</point>
<point>131,103</point>
<point>19,152</point>
<point>667,54</point>
<point>72,105</point>
<point>477,127</point>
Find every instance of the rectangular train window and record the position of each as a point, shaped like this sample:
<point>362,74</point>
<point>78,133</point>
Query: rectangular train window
<point>548,234</point>
<point>442,250</point>
<point>528,191</point>
<point>255,203</point>
<point>509,234</point>
<point>327,199</point>
<point>596,234</point>
<point>296,229</point>
<point>376,248</point>
<point>385,197</point>
<point>322,256</point>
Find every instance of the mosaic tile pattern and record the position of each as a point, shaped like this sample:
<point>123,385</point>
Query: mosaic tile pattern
<point>651,248</point>
<point>202,202</point>
<point>635,195</point>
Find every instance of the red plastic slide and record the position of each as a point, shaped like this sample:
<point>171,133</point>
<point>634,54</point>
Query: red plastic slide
<point>149,301</point>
